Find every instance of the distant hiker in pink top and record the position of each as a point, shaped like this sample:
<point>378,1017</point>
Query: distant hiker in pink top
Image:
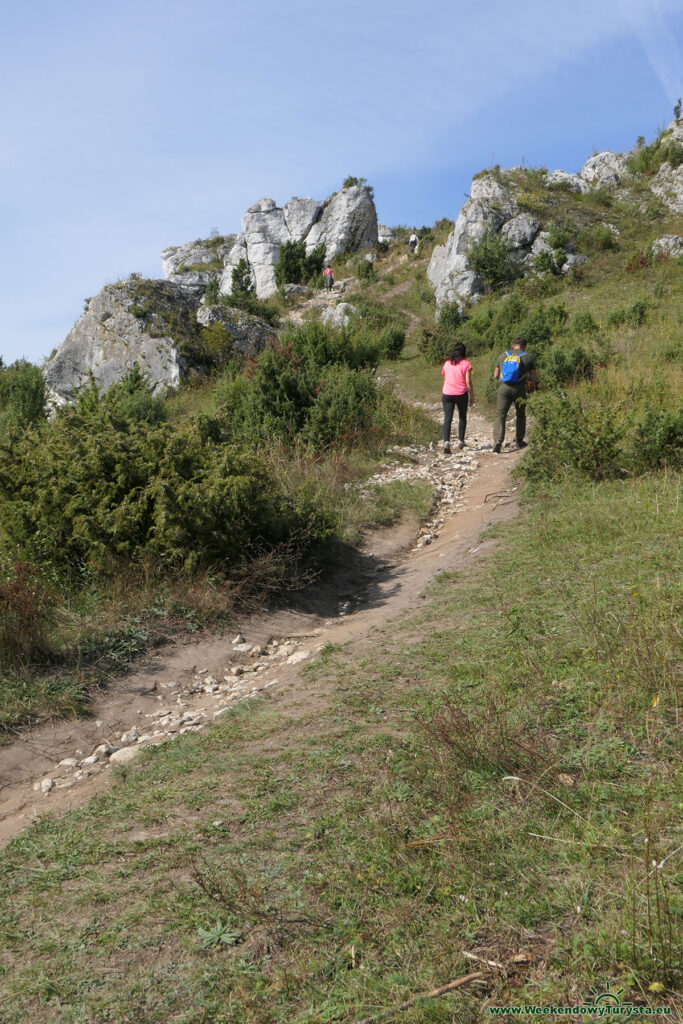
<point>457,391</point>
<point>328,277</point>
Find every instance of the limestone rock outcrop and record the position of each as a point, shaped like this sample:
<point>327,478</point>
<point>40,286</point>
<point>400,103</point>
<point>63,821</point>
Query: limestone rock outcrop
<point>195,263</point>
<point>604,170</point>
<point>490,206</point>
<point>573,182</point>
<point>348,222</point>
<point>345,222</point>
<point>109,339</point>
<point>248,334</point>
<point>338,316</point>
<point>668,245</point>
<point>667,185</point>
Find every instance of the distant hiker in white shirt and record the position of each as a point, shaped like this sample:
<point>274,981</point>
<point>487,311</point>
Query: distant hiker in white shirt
<point>412,242</point>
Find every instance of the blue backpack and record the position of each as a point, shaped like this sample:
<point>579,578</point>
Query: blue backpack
<point>512,367</point>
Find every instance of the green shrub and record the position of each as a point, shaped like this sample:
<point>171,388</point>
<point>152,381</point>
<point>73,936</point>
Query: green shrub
<point>583,323</point>
<point>616,317</point>
<point>365,270</point>
<point>95,488</point>
<point>343,407</point>
<point>242,284</point>
<point>559,234</point>
<point>132,399</point>
<point>648,159</point>
<point>281,398</point>
<point>549,262</point>
<point>658,440</point>
<point>566,365</point>
<point>434,345</point>
<point>211,295</point>
<point>597,238</point>
<point>491,258</point>
<point>636,314</point>
<point>295,266</point>
<point>572,435</point>
<point>392,341</point>
<point>22,393</point>
<point>350,181</point>
<point>450,316</point>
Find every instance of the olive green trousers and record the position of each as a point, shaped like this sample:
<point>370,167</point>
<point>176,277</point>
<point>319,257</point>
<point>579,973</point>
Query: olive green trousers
<point>507,395</point>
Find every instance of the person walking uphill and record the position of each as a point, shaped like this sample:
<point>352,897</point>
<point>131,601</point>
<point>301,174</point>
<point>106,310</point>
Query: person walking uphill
<point>328,277</point>
<point>457,392</point>
<point>514,371</point>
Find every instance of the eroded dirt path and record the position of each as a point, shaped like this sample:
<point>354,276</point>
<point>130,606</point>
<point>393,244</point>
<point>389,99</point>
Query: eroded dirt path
<point>184,687</point>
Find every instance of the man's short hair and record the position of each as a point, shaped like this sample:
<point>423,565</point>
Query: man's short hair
<point>520,340</point>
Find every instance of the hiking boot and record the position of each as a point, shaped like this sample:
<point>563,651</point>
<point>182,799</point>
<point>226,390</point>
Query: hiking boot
<point>522,444</point>
<point>446,448</point>
<point>497,446</point>
<point>461,445</point>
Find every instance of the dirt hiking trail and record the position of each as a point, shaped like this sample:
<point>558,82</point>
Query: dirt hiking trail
<point>185,686</point>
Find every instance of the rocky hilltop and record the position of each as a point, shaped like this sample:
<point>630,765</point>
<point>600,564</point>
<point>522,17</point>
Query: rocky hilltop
<point>154,324</point>
<point>346,222</point>
<point>158,324</point>
<point>495,208</point>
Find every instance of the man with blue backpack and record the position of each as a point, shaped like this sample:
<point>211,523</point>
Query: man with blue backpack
<point>516,372</point>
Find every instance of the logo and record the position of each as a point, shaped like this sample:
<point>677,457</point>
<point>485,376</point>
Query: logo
<point>606,998</point>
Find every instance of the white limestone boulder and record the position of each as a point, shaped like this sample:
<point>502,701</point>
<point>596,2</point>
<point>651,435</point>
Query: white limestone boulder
<point>347,223</point>
<point>338,316</point>
<point>120,328</point>
<point>667,185</point>
<point>521,230</point>
<point>300,216</point>
<point>668,245</point>
<point>604,170</point>
<point>249,334</point>
<point>572,182</point>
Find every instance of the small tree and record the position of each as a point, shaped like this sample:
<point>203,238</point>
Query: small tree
<point>677,108</point>
<point>211,293</point>
<point>242,284</point>
<point>490,257</point>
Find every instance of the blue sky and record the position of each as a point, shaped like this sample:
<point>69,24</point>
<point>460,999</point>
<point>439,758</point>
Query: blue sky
<point>128,127</point>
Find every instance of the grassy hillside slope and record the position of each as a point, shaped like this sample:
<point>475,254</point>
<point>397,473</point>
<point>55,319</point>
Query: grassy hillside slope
<point>493,783</point>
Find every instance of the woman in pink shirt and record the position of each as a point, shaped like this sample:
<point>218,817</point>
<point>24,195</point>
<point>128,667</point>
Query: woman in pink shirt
<point>457,391</point>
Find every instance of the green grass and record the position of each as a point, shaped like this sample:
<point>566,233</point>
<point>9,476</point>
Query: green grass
<point>492,775</point>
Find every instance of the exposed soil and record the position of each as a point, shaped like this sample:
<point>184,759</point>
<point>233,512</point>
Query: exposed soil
<point>183,687</point>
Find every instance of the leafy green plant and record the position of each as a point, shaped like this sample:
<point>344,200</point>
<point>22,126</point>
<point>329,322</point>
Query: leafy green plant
<point>218,934</point>
<point>647,160</point>
<point>392,341</point>
<point>99,486</point>
<point>597,238</point>
<point>211,295</point>
<point>658,439</point>
<point>559,234</point>
<point>572,435</point>
<point>22,394</point>
<point>566,365</point>
<point>636,314</point>
<point>490,256</point>
<point>583,323</point>
<point>365,270</point>
<point>549,262</point>
<point>295,266</point>
<point>242,283</point>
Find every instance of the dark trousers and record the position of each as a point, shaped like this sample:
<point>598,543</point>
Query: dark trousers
<point>449,403</point>
<point>504,399</point>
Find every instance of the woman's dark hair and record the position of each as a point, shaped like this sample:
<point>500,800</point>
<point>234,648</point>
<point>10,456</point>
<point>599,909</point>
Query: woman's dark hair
<point>458,352</point>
